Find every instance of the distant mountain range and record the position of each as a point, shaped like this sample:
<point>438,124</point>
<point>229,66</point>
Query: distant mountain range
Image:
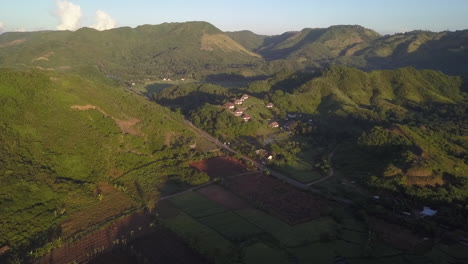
<point>363,48</point>
<point>198,49</point>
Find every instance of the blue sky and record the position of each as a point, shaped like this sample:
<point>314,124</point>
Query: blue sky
<point>260,16</point>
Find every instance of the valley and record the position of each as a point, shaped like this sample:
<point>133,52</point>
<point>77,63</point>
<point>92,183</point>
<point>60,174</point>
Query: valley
<point>181,143</point>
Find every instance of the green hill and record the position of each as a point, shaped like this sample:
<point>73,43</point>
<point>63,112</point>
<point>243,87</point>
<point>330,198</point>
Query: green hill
<point>74,147</point>
<point>360,47</point>
<point>182,50</point>
<point>198,49</point>
<point>318,44</point>
<point>248,39</point>
<point>403,127</point>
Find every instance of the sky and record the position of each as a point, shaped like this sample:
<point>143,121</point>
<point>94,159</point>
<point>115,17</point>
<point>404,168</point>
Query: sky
<point>267,17</point>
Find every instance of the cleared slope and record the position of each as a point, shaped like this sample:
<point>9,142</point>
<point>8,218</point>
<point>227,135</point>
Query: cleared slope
<point>166,50</point>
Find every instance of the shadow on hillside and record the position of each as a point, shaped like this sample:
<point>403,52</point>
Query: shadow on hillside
<point>448,57</point>
<point>191,101</point>
<point>270,53</point>
<point>293,82</point>
<point>231,80</point>
<point>156,87</point>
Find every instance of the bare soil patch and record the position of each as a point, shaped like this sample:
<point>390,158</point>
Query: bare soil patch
<point>82,251</point>
<point>126,126</point>
<point>423,181</point>
<point>12,43</point>
<point>114,173</point>
<point>278,198</point>
<point>222,196</point>
<point>220,166</point>
<point>44,57</point>
<point>164,246</point>
<point>396,235</point>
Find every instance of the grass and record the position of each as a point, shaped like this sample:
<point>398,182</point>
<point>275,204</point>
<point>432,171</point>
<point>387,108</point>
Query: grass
<point>231,225</point>
<point>262,253</point>
<point>301,172</point>
<point>315,253</point>
<point>291,236</point>
<point>205,240</point>
<point>197,205</point>
<point>353,236</point>
<point>54,157</point>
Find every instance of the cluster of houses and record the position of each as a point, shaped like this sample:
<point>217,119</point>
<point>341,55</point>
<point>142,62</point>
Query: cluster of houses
<point>236,105</point>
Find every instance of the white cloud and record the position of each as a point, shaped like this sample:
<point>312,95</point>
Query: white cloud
<point>104,21</point>
<point>69,15</point>
<point>2,27</point>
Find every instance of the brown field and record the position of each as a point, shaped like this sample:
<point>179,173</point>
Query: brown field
<point>114,202</point>
<point>160,246</point>
<point>396,235</point>
<point>100,241</point>
<point>220,166</point>
<point>164,246</point>
<point>424,181</point>
<point>222,196</point>
<point>280,199</point>
<point>165,209</point>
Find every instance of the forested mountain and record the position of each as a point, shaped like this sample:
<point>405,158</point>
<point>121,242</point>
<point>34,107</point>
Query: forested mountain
<point>185,50</point>
<point>199,49</point>
<point>363,48</point>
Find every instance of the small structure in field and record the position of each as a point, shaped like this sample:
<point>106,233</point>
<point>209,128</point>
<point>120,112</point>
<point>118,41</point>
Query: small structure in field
<point>264,154</point>
<point>274,124</point>
<point>427,211</point>
<point>4,249</point>
<point>244,97</point>
<point>238,112</point>
<point>246,117</point>
<point>228,105</point>
<point>238,102</point>
<point>269,105</point>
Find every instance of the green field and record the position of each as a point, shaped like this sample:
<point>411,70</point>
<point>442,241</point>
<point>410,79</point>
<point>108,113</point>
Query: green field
<point>253,236</point>
<point>262,253</point>
<point>300,172</point>
<point>204,239</point>
<point>231,226</point>
<point>196,205</point>
<point>291,236</point>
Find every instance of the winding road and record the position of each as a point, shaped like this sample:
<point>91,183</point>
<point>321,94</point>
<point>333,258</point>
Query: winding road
<point>278,175</point>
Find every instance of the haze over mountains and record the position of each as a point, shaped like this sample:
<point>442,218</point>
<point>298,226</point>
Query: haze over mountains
<point>195,49</point>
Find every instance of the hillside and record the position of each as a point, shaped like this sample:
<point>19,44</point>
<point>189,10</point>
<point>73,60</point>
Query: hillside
<point>199,49</point>
<point>402,128</point>
<point>172,50</point>
<point>248,39</point>
<point>77,152</point>
<point>363,48</point>
<point>318,44</point>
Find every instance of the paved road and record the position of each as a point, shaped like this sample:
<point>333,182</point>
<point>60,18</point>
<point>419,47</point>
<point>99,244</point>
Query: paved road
<point>276,174</point>
<point>260,166</point>
<point>331,171</point>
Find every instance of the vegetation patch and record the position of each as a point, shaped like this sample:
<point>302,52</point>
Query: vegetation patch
<point>196,205</point>
<point>231,226</point>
